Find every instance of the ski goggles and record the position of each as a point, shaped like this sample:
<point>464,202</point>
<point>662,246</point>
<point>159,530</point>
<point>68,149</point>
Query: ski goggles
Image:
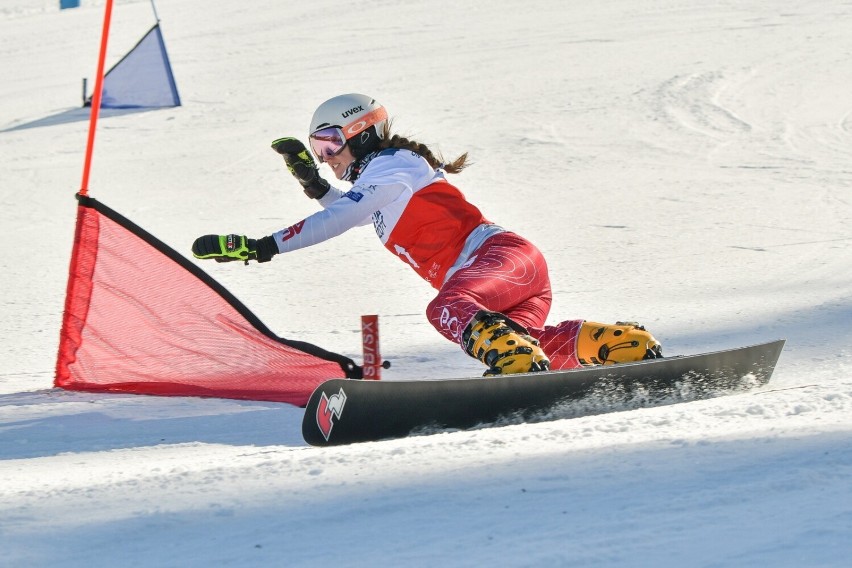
<point>330,141</point>
<point>327,143</point>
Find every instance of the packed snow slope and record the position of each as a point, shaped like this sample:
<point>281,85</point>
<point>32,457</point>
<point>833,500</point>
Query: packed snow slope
<point>686,164</point>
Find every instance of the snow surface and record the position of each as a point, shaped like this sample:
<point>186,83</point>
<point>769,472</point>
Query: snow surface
<point>681,163</point>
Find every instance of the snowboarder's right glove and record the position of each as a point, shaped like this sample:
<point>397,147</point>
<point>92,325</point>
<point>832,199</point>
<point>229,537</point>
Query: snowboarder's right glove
<point>228,248</point>
<point>302,165</point>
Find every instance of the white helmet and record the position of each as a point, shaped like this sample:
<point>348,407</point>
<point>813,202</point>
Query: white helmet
<point>360,117</point>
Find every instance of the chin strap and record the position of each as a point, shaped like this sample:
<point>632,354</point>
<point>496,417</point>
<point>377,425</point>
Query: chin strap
<point>357,166</point>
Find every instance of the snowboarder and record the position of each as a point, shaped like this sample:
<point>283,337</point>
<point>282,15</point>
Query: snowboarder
<point>493,286</point>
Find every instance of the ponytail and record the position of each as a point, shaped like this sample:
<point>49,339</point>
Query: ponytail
<point>396,141</point>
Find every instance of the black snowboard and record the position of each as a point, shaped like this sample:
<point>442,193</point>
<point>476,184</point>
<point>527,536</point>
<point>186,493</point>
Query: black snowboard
<point>343,411</point>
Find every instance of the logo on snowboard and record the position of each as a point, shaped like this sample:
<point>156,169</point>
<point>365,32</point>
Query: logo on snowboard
<point>330,407</point>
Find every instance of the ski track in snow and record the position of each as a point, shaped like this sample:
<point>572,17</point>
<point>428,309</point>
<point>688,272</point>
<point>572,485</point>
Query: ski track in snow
<point>682,164</point>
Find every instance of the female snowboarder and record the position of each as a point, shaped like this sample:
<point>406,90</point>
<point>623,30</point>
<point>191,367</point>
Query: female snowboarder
<point>493,286</point>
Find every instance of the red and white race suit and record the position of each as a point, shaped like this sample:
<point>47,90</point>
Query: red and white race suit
<point>427,223</point>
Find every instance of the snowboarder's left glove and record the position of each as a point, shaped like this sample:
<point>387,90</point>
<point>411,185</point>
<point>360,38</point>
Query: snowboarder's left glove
<point>302,165</point>
<point>228,248</point>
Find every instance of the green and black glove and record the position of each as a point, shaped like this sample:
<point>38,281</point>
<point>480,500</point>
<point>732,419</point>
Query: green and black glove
<point>302,165</point>
<point>228,248</point>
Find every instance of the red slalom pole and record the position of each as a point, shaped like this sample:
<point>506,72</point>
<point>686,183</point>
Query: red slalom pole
<point>96,100</point>
<point>373,363</point>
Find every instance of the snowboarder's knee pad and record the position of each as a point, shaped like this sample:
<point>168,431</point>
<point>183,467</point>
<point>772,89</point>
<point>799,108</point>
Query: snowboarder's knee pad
<point>603,344</point>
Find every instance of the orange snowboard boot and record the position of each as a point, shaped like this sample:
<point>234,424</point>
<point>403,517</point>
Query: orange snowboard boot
<point>503,345</point>
<point>602,344</point>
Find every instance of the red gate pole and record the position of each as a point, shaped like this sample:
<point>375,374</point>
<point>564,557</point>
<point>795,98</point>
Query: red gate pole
<point>373,363</point>
<point>96,100</point>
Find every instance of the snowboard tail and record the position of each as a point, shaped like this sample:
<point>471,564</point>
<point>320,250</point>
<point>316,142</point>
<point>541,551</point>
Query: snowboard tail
<point>342,411</point>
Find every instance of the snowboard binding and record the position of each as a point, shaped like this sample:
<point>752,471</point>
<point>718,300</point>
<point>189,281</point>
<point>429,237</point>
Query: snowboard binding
<point>502,345</point>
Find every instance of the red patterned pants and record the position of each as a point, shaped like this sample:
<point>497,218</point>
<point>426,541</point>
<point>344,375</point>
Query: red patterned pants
<point>507,274</point>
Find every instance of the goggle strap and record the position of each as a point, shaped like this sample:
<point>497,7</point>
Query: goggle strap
<point>365,122</point>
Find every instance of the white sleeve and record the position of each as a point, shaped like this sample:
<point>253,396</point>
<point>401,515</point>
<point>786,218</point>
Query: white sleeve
<point>332,195</point>
<point>353,208</point>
